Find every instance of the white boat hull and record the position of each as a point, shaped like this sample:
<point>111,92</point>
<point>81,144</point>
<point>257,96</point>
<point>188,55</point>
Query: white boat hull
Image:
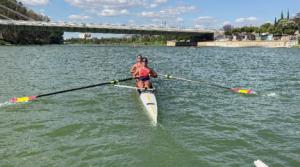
<point>149,103</point>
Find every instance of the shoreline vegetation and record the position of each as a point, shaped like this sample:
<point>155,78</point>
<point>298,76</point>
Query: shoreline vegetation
<point>26,37</point>
<point>118,44</point>
<point>143,40</point>
<point>115,41</point>
<point>297,46</point>
<point>202,44</point>
<point>283,29</point>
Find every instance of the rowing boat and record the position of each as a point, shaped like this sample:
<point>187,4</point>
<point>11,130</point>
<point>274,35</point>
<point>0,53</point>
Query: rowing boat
<point>148,99</point>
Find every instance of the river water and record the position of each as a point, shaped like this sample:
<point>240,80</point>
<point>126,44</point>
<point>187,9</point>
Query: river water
<point>199,125</point>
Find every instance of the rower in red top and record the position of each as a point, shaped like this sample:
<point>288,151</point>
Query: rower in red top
<point>144,73</point>
<point>136,66</point>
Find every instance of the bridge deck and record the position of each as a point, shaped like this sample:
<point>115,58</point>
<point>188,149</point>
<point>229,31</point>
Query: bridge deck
<point>94,28</point>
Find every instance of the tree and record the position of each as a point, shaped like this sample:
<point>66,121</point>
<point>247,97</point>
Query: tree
<point>297,18</point>
<point>236,30</point>
<point>266,28</point>
<point>276,31</point>
<point>228,29</point>
<point>286,27</point>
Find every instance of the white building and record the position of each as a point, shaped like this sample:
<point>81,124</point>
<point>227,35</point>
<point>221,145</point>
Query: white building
<point>85,36</point>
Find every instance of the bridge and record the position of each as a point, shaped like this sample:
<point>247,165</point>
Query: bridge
<point>25,23</point>
<point>18,25</point>
<point>195,35</point>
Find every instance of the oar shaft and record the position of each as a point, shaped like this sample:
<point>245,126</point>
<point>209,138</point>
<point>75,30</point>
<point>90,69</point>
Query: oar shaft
<point>237,90</point>
<point>200,81</point>
<point>70,90</point>
<point>84,87</point>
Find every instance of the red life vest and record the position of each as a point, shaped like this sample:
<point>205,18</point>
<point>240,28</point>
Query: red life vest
<point>144,72</point>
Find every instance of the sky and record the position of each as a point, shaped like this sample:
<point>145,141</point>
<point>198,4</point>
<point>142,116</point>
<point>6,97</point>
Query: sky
<point>201,14</point>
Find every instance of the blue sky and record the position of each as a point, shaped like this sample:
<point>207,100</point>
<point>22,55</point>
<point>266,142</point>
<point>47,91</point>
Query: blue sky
<point>210,14</point>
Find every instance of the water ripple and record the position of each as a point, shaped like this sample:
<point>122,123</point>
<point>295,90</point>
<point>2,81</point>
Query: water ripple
<point>199,125</point>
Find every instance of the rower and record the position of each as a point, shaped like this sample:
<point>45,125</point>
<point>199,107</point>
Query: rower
<point>144,73</point>
<point>136,66</point>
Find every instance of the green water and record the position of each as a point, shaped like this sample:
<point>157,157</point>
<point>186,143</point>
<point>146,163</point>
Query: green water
<point>199,125</point>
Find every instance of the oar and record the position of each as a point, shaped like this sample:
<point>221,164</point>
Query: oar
<point>237,90</point>
<point>30,98</point>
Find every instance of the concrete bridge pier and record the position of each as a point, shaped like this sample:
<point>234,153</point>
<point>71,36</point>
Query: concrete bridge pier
<point>192,40</point>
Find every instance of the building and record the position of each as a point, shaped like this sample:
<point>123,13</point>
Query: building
<point>85,36</point>
<point>266,37</point>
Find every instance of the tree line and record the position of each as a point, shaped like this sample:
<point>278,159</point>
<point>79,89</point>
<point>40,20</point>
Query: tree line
<point>132,39</point>
<point>26,36</point>
<point>283,26</point>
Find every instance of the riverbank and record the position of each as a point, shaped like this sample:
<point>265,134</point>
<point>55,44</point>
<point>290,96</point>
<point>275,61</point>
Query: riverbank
<point>268,44</point>
<point>153,40</point>
<point>156,43</point>
<point>4,43</point>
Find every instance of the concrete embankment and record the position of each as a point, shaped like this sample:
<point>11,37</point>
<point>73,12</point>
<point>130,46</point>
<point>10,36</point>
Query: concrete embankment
<point>175,43</point>
<point>270,44</point>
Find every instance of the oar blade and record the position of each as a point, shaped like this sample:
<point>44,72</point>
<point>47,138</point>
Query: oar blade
<point>22,99</point>
<point>243,91</point>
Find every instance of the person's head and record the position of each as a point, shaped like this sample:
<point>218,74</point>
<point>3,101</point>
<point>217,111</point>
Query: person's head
<point>139,58</point>
<point>144,61</point>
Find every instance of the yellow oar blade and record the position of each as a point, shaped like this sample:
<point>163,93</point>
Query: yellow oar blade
<point>22,99</point>
<point>243,91</point>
